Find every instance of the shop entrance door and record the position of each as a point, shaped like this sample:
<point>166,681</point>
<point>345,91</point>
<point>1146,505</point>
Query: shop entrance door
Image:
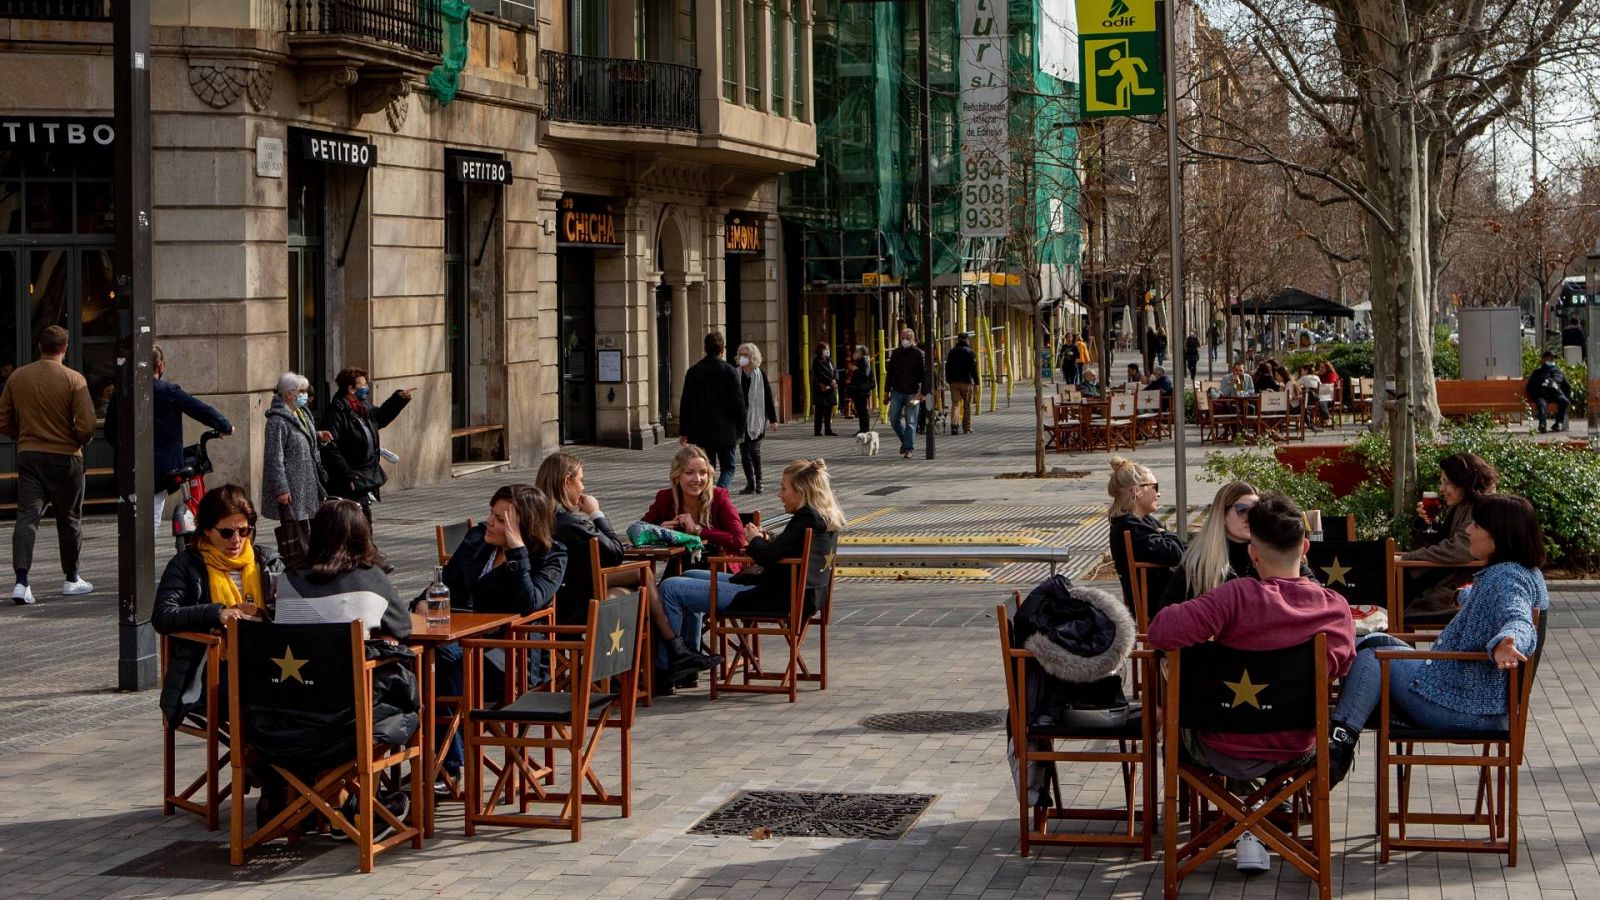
<point>472,317</point>
<point>575,299</point>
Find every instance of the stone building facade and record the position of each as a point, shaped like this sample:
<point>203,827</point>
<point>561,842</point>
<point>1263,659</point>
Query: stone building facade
<point>347,183</point>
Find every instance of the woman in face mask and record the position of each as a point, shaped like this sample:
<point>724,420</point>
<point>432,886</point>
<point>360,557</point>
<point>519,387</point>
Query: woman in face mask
<point>351,459</point>
<point>291,477</point>
<point>824,390</point>
<point>761,416</point>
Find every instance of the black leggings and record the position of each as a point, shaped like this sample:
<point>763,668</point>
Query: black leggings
<point>863,406</point>
<point>750,456</point>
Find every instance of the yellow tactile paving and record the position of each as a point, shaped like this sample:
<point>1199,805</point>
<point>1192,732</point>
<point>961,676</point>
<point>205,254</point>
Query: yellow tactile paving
<point>911,574</point>
<point>1003,540</point>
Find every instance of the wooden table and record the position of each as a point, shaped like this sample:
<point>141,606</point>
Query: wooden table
<point>1246,407</point>
<point>673,556</point>
<point>429,638</point>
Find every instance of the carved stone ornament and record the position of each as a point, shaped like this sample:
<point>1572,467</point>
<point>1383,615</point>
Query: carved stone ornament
<point>219,85</point>
<point>317,85</point>
<point>396,111</point>
<point>372,95</point>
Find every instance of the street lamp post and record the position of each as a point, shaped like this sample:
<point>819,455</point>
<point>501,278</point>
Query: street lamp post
<point>1591,297</point>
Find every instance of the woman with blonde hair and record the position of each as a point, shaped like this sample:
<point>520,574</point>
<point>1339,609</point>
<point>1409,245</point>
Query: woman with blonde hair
<point>693,504</point>
<point>807,495</point>
<point>1220,552</point>
<point>578,521</point>
<point>760,415</point>
<point>1135,496</point>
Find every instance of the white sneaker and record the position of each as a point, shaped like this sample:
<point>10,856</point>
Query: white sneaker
<point>1251,855</point>
<point>76,586</point>
<point>22,595</point>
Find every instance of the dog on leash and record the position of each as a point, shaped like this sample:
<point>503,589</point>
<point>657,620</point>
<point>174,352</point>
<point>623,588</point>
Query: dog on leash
<point>869,443</point>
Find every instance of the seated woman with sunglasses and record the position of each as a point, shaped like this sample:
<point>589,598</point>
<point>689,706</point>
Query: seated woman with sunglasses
<point>221,576</point>
<point>341,578</point>
<point>1135,496</point>
<point>1219,552</point>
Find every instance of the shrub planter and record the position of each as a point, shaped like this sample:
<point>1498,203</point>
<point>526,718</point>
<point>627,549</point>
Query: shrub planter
<point>1342,473</point>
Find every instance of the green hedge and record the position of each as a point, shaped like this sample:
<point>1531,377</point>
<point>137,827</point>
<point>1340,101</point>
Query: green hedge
<point>1563,484</point>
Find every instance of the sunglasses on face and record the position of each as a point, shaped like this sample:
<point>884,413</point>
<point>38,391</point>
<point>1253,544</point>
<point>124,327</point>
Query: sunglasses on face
<point>1152,484</point>
<point>228,533</point>
<point>1243,508</point>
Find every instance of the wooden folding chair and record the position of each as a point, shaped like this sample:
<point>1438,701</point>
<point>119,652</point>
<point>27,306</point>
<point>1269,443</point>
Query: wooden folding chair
<point>603,588</point>
<point>448,538</point>
<point>207,725</point>
<point>318,669</point>
<point>1139,582</point>
<point>1213,687</point>
<point>1115,423</point>
<point>1147,410</point>
<point>1360,571</point>
<point>1135,754</point>
<point>1397,606</point>
<point>600,697</point>
<point>1498,764</point>
<point>1272,414</point>
<point>737,637</point>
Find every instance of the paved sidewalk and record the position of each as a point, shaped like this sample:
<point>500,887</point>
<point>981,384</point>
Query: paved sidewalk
<point>80,765</point>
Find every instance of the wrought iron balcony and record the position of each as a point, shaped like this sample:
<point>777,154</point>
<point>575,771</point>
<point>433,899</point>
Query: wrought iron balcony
<point>600,90</point>
<point>414,25</point>
<point>80,10</point>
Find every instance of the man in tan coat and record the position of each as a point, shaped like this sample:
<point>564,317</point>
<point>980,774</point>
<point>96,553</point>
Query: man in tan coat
<point>45,408</point>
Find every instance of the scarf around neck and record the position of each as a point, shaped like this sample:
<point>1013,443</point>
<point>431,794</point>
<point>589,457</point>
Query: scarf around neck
<point>218,566</point>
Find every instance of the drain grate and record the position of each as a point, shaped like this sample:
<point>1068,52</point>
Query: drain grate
<point>932,722</point>
<point>205,861</point>
<point>881,817</point>
<point>886,491</point>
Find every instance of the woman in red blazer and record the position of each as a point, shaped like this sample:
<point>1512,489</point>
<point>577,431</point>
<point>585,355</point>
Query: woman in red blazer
<point>694,505</point>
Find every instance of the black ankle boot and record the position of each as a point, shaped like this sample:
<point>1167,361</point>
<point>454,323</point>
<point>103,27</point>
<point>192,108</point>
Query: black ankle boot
<point>1342,741</point>
<point>684,660</point>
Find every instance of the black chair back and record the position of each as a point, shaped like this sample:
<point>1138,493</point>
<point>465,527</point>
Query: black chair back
<point>1248,691</point>
<point>616,632</point>
<point>819,569</point>
<point>306,668</point>
<point>1356,570</point>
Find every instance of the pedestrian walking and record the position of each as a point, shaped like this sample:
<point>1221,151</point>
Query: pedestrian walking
<point>291,467</point>
<point>353,423</point>
<point>1160,347</point>
<point>1069,359</point>
<point>824,390</point>
<point>760,414</point>
<point>908,378</point>
<point>861,388</point>
<point>961,371</point>
<point>1214,339</point>
<point>1547,387</point>
<point>1191,356</point>
<point>711,412</point>
<point>45,408</point>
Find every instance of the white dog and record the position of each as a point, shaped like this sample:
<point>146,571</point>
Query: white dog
<point>869,442</point>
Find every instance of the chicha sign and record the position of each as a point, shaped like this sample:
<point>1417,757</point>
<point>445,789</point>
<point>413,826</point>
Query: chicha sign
<point>585,221</point>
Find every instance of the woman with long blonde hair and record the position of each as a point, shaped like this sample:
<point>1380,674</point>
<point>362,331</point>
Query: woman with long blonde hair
<point>692,503</point>
<point>1220,551</point>
<point>807,495</point>
<point>1135,496</point>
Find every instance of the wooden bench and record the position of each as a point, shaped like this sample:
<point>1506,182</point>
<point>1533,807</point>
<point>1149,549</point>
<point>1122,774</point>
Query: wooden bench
<point>921,555</point>
<point>1501,398</point>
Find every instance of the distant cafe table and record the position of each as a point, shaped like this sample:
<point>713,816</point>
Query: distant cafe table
<point>429,638</point>
<point>1242,409</point>
<point>674,557</point>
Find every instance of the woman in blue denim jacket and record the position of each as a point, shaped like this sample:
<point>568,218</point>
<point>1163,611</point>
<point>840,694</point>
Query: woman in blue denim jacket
<point>1496,618</point>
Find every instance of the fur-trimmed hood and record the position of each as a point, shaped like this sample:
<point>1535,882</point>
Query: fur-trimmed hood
<point>1078,634</point>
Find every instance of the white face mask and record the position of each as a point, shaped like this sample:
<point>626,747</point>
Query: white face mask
<point>744,360</point>
<point>905,344</point>
<point>826,354</point>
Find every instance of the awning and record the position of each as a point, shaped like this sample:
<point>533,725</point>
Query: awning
<point>1293,302</point>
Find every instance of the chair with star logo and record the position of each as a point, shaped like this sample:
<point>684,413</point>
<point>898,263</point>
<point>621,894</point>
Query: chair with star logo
<point>601,656</point>
<point>737,638</point>
<point>1405,748</point>
<point>1362,572</point>
<point>205,723</point>
<point>290,689</point>
<point>1211,687</point>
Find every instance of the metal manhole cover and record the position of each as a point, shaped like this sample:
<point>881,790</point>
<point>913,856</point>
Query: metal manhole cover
<point>932,722</point>
<point>205,861</point>
<point>884,817</point>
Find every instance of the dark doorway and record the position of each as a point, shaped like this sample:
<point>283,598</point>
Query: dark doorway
<point>733,292</point>
<point>664,408</point>
<point>308,281</point>
<point>575,301</point>
<point>473,313</point>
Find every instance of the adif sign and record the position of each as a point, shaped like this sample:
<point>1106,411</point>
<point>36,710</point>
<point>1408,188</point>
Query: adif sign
<point>985,121</point>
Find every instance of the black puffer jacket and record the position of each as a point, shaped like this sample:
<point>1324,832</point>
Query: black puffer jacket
<point>522,584</point>
<point>351,461</point>
<point>1151,544</point>
<point>1080,637</point>
<point>183,603</point>
<point>574,531</point>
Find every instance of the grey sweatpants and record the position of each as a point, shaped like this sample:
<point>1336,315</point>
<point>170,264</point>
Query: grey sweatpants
<point>57,479</point>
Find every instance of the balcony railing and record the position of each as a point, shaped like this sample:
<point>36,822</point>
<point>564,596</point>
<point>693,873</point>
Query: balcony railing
<point>599,90</point>
<point>413,24</point>
<point>83,10</point>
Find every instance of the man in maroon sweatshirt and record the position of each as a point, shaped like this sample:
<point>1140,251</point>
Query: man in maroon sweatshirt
<point>1280,610</point>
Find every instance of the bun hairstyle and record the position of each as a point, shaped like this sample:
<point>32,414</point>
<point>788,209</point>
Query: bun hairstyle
<point>810,478</point>
<point>1125,476</point>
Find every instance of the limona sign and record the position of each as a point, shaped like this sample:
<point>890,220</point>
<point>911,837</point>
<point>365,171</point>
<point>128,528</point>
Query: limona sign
<point>1118,53</point>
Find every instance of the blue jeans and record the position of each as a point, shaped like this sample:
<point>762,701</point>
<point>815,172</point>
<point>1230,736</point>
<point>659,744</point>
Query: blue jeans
<point>1361,691</point>
<point>1557,407</point>
<point>723,458</point>
<point>686,599</point>
<point>901,403</point>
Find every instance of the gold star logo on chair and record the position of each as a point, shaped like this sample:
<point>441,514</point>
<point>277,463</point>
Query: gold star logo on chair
<point>1245,692</point>
<point>289,667</point>
<point>1336,573</point>
<point>616,639</point>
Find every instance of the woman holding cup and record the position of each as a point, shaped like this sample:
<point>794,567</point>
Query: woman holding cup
<point>1464,480</point>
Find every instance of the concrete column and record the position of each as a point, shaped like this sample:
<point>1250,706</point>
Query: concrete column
<point>803,16</point>
<point>764,62</point>
<point>683,355</point>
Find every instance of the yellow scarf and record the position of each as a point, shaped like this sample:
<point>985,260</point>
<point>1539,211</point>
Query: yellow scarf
<point>219,564</point>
